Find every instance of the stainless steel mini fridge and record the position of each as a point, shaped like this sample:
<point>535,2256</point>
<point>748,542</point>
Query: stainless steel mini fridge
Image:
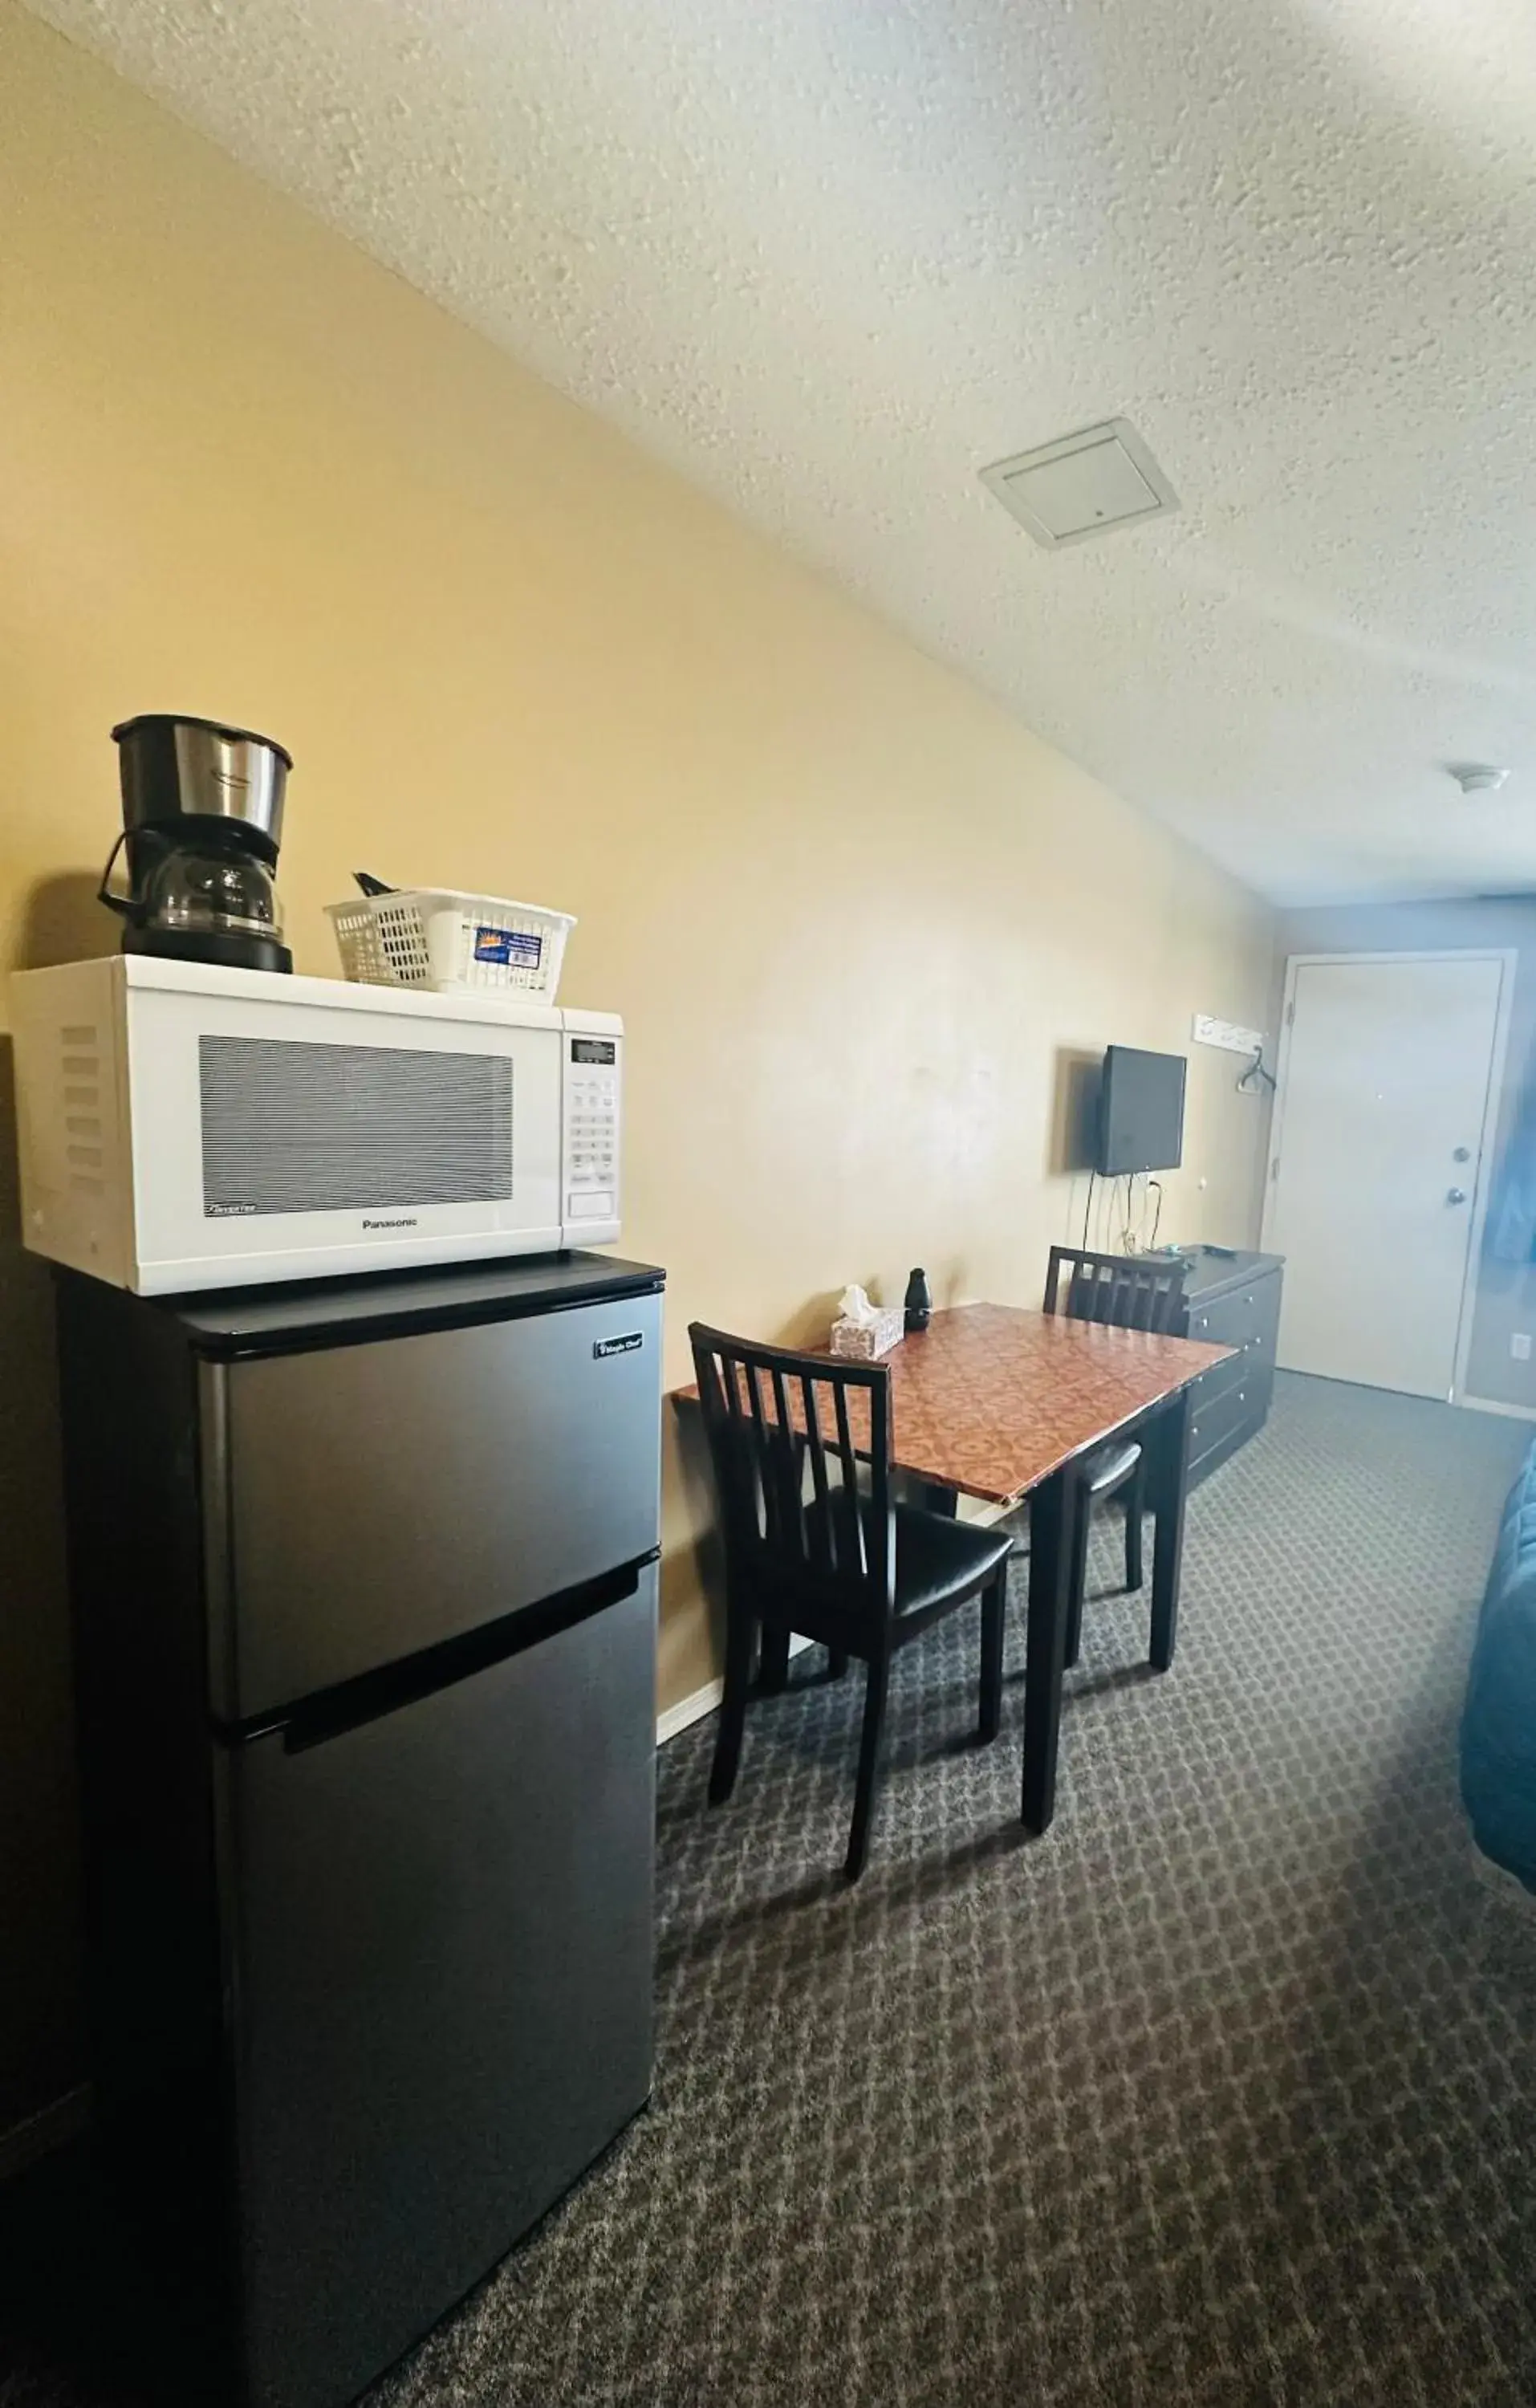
<point>365,1608</point>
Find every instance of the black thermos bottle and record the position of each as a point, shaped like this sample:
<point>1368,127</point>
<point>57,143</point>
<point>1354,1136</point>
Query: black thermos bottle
<point>919,1303</point>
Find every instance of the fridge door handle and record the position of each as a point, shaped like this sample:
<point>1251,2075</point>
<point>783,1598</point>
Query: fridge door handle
<point>217,1535</point>
<point>346,1706</point>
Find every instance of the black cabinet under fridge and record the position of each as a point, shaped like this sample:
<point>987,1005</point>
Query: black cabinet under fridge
<point>364,1584</point>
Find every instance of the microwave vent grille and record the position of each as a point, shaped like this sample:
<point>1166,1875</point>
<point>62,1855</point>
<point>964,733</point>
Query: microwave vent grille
<point>81,1064</point>
<point>294,1127</point>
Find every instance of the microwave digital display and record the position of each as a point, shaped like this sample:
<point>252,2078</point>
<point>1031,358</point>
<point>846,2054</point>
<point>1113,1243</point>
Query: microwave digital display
<point>594,1049</point>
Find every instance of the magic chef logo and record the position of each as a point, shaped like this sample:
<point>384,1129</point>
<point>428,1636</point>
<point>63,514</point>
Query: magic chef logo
<point>409,1223</point>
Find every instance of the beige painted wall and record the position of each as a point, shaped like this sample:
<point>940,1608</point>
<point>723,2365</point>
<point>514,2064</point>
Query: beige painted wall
<point>1506,1293</point>
<point>859,919</point>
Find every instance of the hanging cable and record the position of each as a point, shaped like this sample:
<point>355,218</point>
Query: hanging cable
<point>1131,1214</point>
<point>1130,1219</point>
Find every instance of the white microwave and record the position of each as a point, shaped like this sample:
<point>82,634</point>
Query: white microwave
<point>188,1126</point>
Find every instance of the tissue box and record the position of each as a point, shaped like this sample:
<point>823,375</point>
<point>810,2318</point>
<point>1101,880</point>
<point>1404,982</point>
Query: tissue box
<point>866,1345</point>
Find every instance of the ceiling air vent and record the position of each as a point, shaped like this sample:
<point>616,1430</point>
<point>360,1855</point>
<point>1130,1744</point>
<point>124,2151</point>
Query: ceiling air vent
<point>1085,484</point>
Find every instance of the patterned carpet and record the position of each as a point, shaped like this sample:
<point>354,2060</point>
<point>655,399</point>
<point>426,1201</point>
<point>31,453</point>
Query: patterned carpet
<point>1224,2092</point>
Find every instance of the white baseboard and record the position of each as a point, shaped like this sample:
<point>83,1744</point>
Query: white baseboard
<point>51,2126</point>
<point>704,1701</point>
<point>1489,1405</point>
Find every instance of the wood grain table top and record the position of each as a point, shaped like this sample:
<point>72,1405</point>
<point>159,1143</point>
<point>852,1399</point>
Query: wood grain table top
<point>991,1399</point>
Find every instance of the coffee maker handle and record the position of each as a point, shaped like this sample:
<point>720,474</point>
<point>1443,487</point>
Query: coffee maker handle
<point>123,903</point>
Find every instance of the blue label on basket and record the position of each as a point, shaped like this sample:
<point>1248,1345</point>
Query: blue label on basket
<point>510,946</point>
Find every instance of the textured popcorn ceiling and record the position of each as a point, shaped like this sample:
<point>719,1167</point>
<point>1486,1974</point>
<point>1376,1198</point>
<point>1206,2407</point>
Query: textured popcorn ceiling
<point>831,257</point>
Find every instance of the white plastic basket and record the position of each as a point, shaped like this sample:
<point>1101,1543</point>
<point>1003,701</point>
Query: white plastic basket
<point>431,936</point>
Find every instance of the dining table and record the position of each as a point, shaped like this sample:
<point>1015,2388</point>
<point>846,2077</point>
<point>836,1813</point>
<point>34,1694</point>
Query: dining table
<point>1007,1407</point>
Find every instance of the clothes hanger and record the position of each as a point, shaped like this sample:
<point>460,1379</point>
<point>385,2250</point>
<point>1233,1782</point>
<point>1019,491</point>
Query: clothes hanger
<point>1255,1071</point>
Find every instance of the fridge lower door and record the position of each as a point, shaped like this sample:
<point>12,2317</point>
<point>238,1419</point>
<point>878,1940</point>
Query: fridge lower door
<point>441,1943</point>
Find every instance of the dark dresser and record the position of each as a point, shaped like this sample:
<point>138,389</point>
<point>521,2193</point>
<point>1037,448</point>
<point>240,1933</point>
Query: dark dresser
<point>1230,1300</point>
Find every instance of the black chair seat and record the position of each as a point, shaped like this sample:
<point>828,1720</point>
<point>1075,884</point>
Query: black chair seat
<point>937,1559</point>
<point>1110,1468</point>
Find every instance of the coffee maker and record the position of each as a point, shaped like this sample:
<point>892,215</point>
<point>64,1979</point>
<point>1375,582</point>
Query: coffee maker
<point>202,820</point>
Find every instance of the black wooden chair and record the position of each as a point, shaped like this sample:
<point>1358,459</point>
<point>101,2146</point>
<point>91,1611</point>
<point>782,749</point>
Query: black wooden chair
<point>1126,1291</point>
<point>800,1446</point>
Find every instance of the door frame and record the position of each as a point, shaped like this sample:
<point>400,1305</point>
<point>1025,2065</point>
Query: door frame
<point>1507,958</point>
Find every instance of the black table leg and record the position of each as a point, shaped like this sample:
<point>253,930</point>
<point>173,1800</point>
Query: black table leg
<point>1045,1647</point>
<point>1168,1450</point>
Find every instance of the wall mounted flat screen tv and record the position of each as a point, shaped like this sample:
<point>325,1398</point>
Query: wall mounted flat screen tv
<point>1140,1112</point>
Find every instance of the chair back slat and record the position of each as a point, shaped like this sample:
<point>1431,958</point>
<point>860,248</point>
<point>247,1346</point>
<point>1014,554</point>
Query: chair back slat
<point>800,1446</point>
<point>819,1516</point>
<point>851,1517</point>
<point>764,1498</point>
<point>785,1453</point>
<point>1120,1291</point>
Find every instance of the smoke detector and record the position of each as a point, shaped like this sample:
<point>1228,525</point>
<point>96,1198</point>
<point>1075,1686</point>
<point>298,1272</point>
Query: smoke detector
<point>1081,485</point>
<point>1476,777</point>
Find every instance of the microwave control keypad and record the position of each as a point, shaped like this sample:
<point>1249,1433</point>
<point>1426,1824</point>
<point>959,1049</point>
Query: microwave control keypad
<point>592,1121</point>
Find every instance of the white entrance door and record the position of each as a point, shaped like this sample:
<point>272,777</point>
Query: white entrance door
<point>1379,1130</point>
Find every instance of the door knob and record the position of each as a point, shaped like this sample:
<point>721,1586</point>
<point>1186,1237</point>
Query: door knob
<point>1462,1153</point>
<point>1455,1195</point>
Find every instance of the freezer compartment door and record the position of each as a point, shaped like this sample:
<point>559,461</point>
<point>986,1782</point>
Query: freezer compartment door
<point>441,1929</point>
<point>365,1502</point>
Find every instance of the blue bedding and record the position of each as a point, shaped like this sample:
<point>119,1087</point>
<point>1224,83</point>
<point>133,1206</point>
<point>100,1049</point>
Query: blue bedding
<point>1499,1721</point>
